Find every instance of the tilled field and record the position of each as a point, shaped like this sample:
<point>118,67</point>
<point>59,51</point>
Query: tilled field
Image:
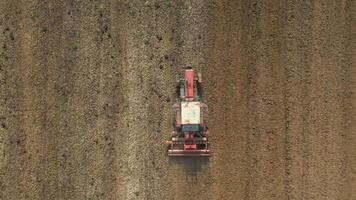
<point>87,89</point>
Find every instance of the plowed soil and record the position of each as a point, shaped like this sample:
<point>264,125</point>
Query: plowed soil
<point>86,89</point>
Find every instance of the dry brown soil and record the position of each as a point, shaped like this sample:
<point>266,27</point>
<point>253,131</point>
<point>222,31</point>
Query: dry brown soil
<point>86,89</point>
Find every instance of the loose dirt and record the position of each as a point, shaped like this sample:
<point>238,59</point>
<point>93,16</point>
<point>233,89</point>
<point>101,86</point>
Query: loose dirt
<point>87,89</point>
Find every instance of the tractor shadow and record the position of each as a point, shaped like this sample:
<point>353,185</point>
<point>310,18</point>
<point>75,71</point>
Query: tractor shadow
<point>191,166</point>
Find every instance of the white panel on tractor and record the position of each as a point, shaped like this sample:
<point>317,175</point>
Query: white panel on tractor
<point>190,112</point>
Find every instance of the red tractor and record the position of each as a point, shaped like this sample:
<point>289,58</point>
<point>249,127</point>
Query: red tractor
<point>190,134</point>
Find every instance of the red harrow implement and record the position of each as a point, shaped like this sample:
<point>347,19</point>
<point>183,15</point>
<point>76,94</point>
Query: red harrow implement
<point>190,134</point>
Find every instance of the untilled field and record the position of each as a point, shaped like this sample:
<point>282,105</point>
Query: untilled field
<point>87,89</point>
